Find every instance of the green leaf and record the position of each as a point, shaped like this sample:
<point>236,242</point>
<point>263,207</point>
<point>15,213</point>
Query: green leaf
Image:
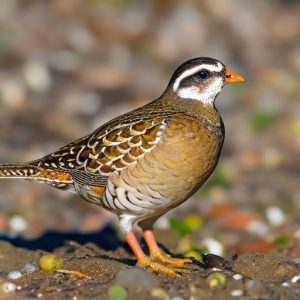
<point>117,292</point>
<point>262,119</point>
<point>193,222</point>
<point>179,226</point>
<point>284,240</point>
<point>218,178</point>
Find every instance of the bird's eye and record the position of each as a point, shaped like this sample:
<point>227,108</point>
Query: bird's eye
<point>203,74</point>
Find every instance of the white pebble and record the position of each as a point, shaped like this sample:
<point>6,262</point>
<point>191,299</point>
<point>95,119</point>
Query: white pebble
<point>214,269</point>
<point>295,279</point>
<point>213,246</point>
<point>8,287</point>
<point>18,223</point>
<point>37,76</point>
<point>14,275</point>
<point>163,223</point>
<point>12,93</point>
<point>286,284</point>
<point>258,227</point>
<point>237,293</point>
<point>29,268</point>
<point>237,277</point>
<point>275,215</point>
<point>177,298</point>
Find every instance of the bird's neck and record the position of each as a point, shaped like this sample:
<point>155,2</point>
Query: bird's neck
<point>194,108</point>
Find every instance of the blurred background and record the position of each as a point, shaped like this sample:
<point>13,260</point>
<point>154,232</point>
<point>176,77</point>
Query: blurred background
<point>67,66</point>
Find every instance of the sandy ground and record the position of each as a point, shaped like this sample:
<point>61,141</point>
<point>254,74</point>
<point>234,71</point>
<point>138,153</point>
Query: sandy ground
<point>249,276</point>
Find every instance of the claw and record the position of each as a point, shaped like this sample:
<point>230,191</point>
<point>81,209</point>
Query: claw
<point>165,258</point>
<point>158,267</point>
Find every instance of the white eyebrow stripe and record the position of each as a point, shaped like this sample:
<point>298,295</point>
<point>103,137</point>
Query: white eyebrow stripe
<point>187,73</point>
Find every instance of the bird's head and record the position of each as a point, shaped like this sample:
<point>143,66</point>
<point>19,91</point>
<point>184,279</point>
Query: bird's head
<point>201,79</point>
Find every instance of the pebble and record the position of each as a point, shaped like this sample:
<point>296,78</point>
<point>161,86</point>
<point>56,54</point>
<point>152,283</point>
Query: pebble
<point>51,262</point>
<point>29,268</point>
<point>18,224</point>
<point>275,215</point>
<point>237,277</point>
<point>216,279</point>
<point>213,246</point>
<point>237,293</point>
<point>295,279</point>
<point>14,275</point>
<point>37,76</point>
<point>12,93</point>
<point>258,227</point>
<point>8,287</point>
<point>159,293</point>
<point>163,223</point>
<point>177,298</point>
<point>136,278</point>
<point>285,284</point>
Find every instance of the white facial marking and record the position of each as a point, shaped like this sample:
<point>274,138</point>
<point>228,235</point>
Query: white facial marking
<point>207,96</point>
<point>187,73</point>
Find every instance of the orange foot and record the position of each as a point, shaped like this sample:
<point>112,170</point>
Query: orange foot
<point>165,258</point>
<point>158,267</point>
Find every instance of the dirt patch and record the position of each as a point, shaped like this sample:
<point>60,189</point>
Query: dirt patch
<point>250,276</point>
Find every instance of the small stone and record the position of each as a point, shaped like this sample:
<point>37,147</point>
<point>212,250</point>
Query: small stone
<point>258,227</point>
<point>285,284</point>
<point>14,275</point>
<point>8,287</point>
<point>51,262</point>
<point>216,279</point>
<point>295,279</point>
<point>237,293</point>
<point>275,215</point>
<point>18,224</point>
<point>12,93</point>
<point>29,268</point>
<point>159,293</point>
<point>135,278</point>
<point>37,76</point>
<point>237,277</point>
<point>213,246</point>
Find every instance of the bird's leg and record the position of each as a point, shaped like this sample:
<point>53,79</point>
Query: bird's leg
<point>156,252</point>
<point>146,261</point>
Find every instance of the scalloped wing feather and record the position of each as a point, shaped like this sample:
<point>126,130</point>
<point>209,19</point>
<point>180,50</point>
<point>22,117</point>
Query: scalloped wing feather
<point>109,149</point>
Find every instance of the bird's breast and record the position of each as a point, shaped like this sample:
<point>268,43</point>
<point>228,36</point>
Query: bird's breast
<point>179,164</point>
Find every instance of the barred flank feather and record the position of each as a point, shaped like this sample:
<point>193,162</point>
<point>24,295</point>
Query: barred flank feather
<point>19,171</point>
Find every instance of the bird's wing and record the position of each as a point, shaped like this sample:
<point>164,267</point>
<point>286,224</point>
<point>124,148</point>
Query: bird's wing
<point>111,148</point>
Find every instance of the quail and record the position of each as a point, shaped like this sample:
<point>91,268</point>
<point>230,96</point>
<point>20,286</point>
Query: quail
<point>142,164</point>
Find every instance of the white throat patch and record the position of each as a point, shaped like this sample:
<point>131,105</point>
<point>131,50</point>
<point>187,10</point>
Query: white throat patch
<point>208,95</point>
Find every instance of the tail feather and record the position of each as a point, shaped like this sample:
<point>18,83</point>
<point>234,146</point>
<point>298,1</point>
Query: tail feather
<point>18,171</point>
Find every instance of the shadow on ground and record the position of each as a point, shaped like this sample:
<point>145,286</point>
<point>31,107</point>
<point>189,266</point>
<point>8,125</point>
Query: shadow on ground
<point>106,239</point>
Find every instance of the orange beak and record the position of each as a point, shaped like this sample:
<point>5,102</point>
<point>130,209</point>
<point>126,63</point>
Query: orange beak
<point>231,76</point>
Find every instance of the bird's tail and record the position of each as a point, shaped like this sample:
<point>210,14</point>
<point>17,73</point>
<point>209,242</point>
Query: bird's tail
<point>18,171</point>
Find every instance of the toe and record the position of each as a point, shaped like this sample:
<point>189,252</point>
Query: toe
<point>161,268</point>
